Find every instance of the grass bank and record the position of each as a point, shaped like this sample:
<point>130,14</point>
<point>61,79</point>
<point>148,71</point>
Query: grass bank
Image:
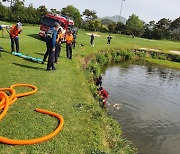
<point>87,128</point>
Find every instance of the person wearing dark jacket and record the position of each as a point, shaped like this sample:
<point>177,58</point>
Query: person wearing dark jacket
<point>92,40</point>
<point>51,45</point>
<point>109,39</point>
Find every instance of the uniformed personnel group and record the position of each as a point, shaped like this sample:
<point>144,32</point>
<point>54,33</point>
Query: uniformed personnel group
<point>53,38</point>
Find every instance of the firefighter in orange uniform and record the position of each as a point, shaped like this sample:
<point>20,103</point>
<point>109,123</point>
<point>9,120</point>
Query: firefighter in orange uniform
<point>14,32</point>
<point>69,40</point>
<point>58,45</point>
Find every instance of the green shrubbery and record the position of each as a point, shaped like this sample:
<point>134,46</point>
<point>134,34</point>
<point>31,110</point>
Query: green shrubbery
<point>104,58</point>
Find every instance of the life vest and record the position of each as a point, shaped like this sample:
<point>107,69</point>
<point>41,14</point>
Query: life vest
<point>59,37</point>
<point>69,38</point>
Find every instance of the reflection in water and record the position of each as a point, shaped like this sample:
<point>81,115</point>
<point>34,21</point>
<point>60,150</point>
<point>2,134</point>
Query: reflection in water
<point>149,106</point>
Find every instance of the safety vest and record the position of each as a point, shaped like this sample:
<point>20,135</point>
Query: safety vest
<point>59,37</point>
<point>14,31</point>
<point>69,38</point>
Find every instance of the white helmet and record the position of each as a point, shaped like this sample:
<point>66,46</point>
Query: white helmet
<point>19,25</point>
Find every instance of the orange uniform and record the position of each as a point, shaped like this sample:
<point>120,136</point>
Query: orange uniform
<point>59,37</point>
<point>14,31</point>
<point>69,38</point>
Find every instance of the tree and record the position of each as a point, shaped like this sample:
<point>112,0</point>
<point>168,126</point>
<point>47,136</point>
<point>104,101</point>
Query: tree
<point>55,11</point>
<point>74,13</point>
<point>120,28</point>
<point>135,25</point>
<point>90,15</point>
<point>162,28</point>
<point>12,1</point>
<point>104,28</point>
<point>3,12</point>
<point>17,10</point>
<point>97,25</point>
<point>112,27</point>
<point>42,10</point>
<point>148,30</point>
<point>175,29</point>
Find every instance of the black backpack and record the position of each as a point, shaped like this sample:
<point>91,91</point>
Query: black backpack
<point>49,35</point>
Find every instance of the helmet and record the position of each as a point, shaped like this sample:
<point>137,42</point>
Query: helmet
<point>56,24</point>
<point>19,25</point>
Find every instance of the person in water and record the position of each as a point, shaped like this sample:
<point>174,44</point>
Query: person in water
<point>104,95</point>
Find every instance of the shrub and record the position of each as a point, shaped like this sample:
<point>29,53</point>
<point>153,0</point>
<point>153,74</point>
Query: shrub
<point>101,59</point>
<point>118,59</point>
<point>109,57</point>
<point>95,69</point>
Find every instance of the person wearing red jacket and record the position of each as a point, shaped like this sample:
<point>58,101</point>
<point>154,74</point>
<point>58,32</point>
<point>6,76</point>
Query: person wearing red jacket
<point>14,32</point>
<point>104,95</point>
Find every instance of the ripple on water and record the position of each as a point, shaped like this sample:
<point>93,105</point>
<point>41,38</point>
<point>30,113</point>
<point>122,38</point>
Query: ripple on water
<point>149,100</point>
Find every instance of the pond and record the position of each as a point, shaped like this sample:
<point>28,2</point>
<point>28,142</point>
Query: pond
<point>145,100</point>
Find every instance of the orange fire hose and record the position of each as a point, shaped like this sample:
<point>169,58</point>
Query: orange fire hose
<point>6,104</point>
<point>12,97</point>
<point>5,101</point>
<point>40,139</point>
<point>25,93</point>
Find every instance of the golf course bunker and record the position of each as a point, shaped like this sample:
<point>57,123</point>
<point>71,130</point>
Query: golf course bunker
<point>176,52</point>
<point>93,34</point>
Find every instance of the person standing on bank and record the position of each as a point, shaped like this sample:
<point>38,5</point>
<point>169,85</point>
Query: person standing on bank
<point>74,40</point>
<point>51,45</point>
<point>69,40</point>
<point>14,32</point>
<point>58,45</point>
<point>92,40</point>
<point>109,39</point>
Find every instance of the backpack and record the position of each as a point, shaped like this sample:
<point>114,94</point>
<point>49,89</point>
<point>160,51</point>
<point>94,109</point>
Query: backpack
<point>49,35</point>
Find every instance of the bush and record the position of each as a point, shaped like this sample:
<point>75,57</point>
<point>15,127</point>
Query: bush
<point>109,57</point>
<point>124,54</point>
<point>118,59</point>
<point>162,57</point>
<point>95,69</point>
<point>101,59</point>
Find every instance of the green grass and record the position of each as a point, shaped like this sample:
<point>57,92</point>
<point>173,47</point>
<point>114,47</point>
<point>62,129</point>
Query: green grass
<point>164,63</point>
<point>87,128</point>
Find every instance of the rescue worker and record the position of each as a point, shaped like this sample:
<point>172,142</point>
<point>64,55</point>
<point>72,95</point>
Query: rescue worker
<point>51,44</point>
<point>69,40</point>
<point>99,81</point>
<point>58,45</point>
<point>104,95</point>
<point>14,32</point>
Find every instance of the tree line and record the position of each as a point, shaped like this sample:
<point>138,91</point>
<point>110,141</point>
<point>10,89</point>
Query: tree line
<point>88,20</point>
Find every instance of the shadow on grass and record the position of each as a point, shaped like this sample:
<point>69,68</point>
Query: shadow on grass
<point>31,67</point>
<point>38,53</point>
<point>9,52</point>
<point>36,36</point>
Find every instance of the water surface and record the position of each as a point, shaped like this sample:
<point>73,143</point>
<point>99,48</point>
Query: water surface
<point>149,102</point>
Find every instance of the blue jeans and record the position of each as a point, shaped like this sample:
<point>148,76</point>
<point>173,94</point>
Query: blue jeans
<point>16,41</point>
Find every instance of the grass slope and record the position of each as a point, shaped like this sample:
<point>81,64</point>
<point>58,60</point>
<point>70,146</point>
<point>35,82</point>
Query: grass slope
<point>65,91</point>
